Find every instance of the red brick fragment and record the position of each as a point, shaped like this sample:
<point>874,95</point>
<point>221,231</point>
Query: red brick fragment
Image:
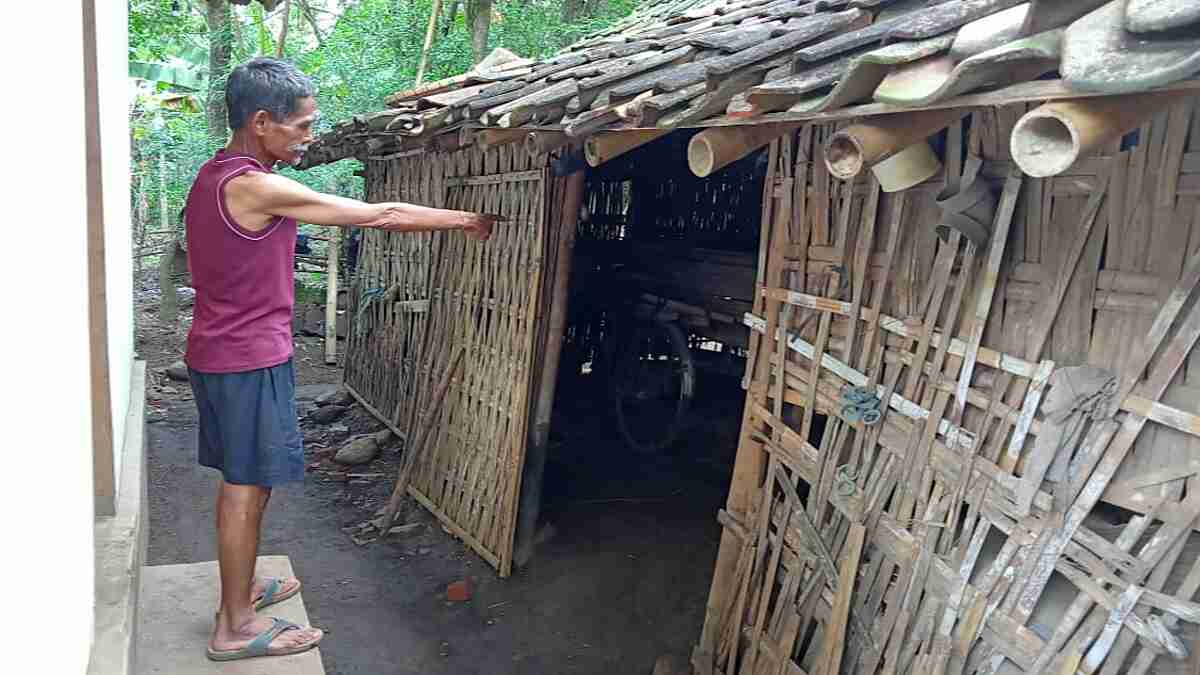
<point>459,591</point>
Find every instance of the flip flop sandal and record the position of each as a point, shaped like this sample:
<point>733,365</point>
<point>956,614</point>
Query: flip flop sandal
<point>261,644</point>
<point>271,594</point>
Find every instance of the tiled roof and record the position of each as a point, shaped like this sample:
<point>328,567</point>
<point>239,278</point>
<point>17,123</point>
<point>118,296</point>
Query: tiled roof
<point>704,62</point>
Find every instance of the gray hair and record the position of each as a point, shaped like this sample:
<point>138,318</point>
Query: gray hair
<point>264,84</point>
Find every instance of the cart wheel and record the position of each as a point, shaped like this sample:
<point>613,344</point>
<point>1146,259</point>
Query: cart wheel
<point>654,379</point>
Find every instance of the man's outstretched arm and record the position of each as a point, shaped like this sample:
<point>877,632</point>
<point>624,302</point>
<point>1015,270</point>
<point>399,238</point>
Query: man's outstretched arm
<point>264,194</point>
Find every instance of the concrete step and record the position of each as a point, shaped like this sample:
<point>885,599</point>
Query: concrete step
<point>177,607</point>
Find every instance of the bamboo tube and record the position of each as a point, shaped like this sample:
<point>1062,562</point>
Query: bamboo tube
<point>1049,139</point>
<point>490,138</point>
<point>543,142</point>
<point>612,144</point>
<point>714,149</point>
<point>867,143</point>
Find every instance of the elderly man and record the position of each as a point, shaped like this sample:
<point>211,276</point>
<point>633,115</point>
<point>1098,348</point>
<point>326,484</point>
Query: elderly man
<point>241,233</point>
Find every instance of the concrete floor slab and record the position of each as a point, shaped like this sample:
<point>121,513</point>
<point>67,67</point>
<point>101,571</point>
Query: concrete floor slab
<point>178,603</point>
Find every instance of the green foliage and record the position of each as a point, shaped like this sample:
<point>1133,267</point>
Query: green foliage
<point>370,52</point>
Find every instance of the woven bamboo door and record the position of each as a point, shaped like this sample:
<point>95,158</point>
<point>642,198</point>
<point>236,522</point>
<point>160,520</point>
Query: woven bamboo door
<point>484,300</point>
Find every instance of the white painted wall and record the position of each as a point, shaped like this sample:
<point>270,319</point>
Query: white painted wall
<point>46,485</point>
<point>112,48</point>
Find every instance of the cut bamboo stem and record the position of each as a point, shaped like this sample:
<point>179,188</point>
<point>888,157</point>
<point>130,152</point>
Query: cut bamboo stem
<point>713,149</point>
<point>606,146</point>
<point>543,142</point>
<point>1049,139</point>
<point>865,144</point>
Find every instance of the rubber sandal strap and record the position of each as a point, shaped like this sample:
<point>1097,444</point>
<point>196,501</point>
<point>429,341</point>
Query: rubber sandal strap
<point>269,592</point>
<point>262,642</point>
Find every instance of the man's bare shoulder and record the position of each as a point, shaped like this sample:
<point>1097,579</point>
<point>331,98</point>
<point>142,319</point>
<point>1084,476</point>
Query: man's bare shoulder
<point>263,189</point>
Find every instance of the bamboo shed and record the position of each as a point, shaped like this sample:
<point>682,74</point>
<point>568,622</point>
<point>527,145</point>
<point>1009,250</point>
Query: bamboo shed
<point>971,437</point>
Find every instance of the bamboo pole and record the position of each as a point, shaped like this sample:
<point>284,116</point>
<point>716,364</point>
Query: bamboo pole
<point>411,452</point>
<point>331,297</point>
<point>422,64</point>
<point>714,149</point>
<point>612,144</point>
<point>868,143</point>
<point>1049,139</point>
<point>490,138</point>
<point>535,455</point>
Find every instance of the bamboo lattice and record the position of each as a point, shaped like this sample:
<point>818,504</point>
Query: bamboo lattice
<point>418,297</point>
<point>959,534</point>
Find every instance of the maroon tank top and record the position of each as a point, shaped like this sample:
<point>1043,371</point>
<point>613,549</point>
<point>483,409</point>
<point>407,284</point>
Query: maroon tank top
<point>244,283</point>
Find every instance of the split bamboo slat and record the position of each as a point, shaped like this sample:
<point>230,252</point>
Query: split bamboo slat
<point>962,527</point>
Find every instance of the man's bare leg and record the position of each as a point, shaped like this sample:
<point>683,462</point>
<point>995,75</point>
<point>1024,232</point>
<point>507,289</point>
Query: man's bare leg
<point>239,518</point>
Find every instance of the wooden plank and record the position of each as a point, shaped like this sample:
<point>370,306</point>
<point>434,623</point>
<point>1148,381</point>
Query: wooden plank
<point>1180,420</point>
<point>835,638</point>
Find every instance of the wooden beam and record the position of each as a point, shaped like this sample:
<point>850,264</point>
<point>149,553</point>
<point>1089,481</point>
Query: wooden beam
<point>103,463</point>
<point>1025,92</point>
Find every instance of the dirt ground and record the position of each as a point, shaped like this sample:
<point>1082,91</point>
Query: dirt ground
<point>623,579</point>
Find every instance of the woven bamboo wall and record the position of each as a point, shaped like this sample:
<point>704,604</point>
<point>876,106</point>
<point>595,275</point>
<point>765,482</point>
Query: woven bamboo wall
<point>961,532</point>
<point>418,298</point>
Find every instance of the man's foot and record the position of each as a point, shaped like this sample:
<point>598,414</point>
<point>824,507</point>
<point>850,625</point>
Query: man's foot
<point>230,641</point>
<point>281,588</point>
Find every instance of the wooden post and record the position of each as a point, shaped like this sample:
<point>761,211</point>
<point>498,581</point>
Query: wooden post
<point>535,455</point>
<point>867,143</point>
<point>104,491</point>
<point>434,12</point>
<point>331,296</point>
<point>713,149</point>
<point>1047,140</point>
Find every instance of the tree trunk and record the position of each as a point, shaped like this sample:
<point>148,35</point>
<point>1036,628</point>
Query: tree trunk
<point>220,45</point>
<point>479,17</point>
<point>451,15</point>
<point>574,10</point>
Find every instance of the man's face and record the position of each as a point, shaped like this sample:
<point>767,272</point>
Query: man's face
<point>287,139</point>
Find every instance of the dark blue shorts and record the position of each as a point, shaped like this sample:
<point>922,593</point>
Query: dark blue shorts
<point>248,425</point>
